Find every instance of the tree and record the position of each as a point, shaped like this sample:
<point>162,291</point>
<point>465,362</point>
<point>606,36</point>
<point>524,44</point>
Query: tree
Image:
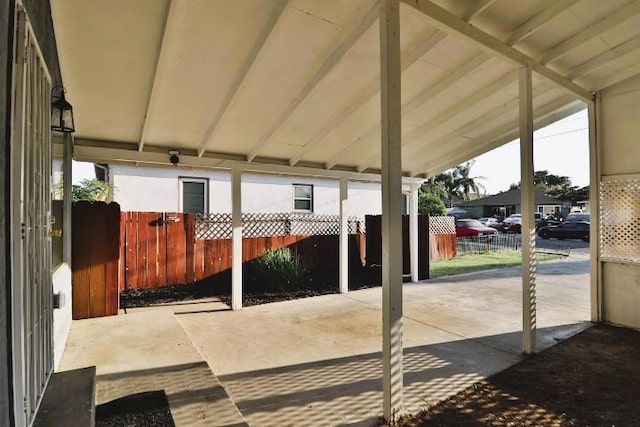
<point>434,186</point>
<point>557,186</point>
<point>431,203</point>
<point>463,183</point>
<point>454,184</point>
<point>90,190</point>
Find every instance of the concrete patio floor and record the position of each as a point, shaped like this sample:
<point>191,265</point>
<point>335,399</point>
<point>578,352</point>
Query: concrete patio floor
<point>317,361</point>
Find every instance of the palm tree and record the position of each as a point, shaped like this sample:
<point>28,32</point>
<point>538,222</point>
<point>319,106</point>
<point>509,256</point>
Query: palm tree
<point>465,184</point>
<point>454,184</point>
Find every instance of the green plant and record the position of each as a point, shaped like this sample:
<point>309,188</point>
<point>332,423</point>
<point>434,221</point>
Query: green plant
<point>280,270</point>
<point>431,204</point>
<point>91,190</point>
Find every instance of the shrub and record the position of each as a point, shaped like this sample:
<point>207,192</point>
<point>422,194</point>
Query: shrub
<point>280,270</point>
<point>432,204</point>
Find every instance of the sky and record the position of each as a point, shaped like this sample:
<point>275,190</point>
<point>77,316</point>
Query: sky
<point>82,170</point>
<point>561,148</point>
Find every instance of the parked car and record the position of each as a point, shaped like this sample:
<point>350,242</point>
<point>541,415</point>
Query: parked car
<point>578,217</point>
<point>548,220</point>
<point>566,230</point>
<point>489,222</point>
<point>473,228</point>
<point>513,223</point>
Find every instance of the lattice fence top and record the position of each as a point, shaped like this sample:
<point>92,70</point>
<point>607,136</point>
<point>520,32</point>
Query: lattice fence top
<point>620,220</point>
<point>218,226</point>
<point>442,225</point>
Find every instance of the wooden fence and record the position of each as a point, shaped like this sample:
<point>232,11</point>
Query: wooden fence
<point>113,251</point>
<point>431,246</point>
<point>161,249</point>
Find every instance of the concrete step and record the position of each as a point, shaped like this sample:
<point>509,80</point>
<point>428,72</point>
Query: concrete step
<point>69,399</point>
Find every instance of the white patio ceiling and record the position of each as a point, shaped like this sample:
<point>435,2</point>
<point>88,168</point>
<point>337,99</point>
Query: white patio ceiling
<point>297,82</point>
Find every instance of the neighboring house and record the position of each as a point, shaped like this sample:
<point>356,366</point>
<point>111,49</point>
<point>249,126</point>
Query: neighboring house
<point>139,188</point>
<point>508,202</point>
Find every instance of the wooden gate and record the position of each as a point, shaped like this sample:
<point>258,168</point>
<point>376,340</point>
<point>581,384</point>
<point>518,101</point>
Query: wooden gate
<point>96,247</point>
<point>374,244</point>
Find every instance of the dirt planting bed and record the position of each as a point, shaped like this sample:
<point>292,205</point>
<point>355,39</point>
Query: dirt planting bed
<point>591,379</point>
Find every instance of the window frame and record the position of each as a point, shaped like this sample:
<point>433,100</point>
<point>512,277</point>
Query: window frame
<point>184,179</point>
<point>310,199</point>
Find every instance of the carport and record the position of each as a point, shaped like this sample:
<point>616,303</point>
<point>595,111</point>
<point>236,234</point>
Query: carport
<point>342,89</point>
<point>358,90</point>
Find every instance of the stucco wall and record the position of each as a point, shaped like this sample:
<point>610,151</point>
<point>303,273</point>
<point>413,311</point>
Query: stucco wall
<point>158,189</point>
<point>620,154</point>
<point>6,43</point>
<point>62,316</point>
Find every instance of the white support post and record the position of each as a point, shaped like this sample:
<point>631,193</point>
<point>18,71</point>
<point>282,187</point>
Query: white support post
<point>390,76</point>
<point>594,209</point>
<point>413,232</point>
<point>236,224</point>
<point>528,226</point>
<point>67,172</point>
<point>344,236</point>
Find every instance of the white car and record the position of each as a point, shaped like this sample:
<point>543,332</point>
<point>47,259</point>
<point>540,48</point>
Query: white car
<point>489,222</point>
<point>514,222</point>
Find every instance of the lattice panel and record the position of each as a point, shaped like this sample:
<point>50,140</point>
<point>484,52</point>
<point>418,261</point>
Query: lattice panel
<point>620,220</point>
<point>266,225</point>
<point>442,225</point>
<point>213,226</point>
<point>218,226</point>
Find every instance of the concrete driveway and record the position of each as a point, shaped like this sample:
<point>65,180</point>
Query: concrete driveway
<point>317,361</point>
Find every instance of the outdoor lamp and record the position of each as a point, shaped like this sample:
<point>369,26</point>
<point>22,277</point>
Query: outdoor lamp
<point>61,113</point>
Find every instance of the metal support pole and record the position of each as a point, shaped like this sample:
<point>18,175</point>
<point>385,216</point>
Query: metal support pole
<point>344,236</point>
<point>236,224</point>
<point>528,226</point>
<point>391,208</point>
<point>413,232</point>
<point>594,209</point>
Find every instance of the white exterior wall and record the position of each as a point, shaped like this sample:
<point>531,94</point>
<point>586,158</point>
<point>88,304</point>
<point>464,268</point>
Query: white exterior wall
<point>61,282</point>
<point>158,190</point>
<point>61,279</point>
<point>619,128</point>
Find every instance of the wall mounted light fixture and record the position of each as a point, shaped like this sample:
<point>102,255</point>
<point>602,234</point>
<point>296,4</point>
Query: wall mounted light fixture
<point>61,112</point>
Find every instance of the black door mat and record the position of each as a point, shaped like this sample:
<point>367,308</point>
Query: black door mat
<point>147,409</point>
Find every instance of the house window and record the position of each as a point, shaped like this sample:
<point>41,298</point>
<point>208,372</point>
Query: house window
<point>194,195</point>
<point>303,197</point>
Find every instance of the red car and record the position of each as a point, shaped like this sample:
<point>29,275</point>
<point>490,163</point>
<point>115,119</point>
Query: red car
<point>473,228</point>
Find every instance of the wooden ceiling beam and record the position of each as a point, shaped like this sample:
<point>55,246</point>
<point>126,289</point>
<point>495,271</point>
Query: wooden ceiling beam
<point>415,102</point>
<point>262,40</point>
<point>356,34</point>
<point>477,146</point>
<point>604,58</point>
<point>160,65</point>
<point>530,26</point>
<point>372,90</point>
<point>413,136</point>
<point>590,32</point>
<point>448,22</point>
<point>476,8</point>
<point>500,141</point>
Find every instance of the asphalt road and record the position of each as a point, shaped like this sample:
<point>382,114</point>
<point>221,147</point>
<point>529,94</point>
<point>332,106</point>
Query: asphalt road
<point>573,245</point>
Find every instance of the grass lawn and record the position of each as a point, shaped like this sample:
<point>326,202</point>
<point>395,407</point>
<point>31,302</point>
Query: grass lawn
<point>475,262</point>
